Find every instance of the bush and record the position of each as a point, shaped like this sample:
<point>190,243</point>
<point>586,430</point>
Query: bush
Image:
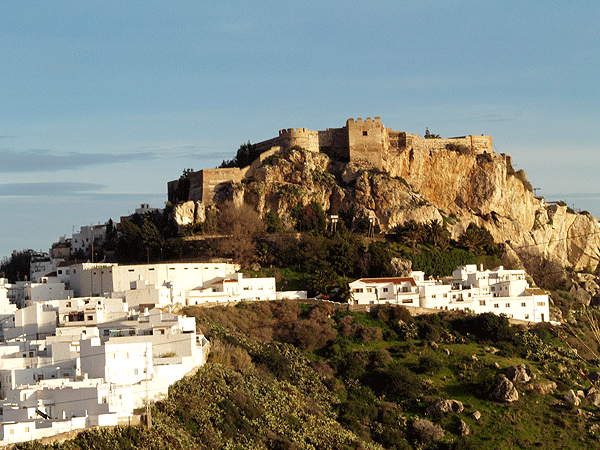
<point>428,365</point>
<point>486,327</point>
<point>426,431</point>
<point>397,383</point>
<point>459,148</point>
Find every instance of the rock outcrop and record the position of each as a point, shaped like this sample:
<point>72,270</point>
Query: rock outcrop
<point>444,407</point>
<point>505,391</point>
<point>423,185</point>
<point>518,374</point>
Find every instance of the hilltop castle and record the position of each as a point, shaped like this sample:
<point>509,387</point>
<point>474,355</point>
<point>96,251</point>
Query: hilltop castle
<point>365,142</point>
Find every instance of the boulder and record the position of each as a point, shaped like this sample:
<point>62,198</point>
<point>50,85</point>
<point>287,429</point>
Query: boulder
<point>571,398</point>
<point>593,396</point>
<point>517,374</point>
<point>505,390</point>
<point>476,415</point>
<point>581,294</point>
<point>463,428</point>
<point>444,407</point>
<point>542,387</point>
<point>402,267</point>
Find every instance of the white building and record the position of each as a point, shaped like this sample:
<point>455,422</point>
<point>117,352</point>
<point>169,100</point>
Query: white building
<point>49,288</point>
<point>86,374</point>
<point>145,209</point>
<point>234,288</point>
<point>87,237</point>
<point>499,291</point>
<point>100,279</point>
<point>393,290</point>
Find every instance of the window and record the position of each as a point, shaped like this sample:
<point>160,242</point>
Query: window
<point>541,303</point>
<point>407,300</point>
<point>385,289</point>
<point>68,304</point>
<point>526,316</point>
<point>369,290</point>
<point>523,304</point>
<point>496,305</point>
<point>481,302</point>
<point>90,317</point>
<point>365,133</point>
<point>507,305</point>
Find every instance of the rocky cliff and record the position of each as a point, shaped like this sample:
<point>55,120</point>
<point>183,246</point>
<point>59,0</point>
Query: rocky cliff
<point>423,186</point>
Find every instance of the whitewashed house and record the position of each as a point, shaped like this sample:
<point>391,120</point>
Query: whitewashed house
<point>100,279</point>
<point>499,291</point>
<point>234,288</point>
<point>377,291</point>
<point>88,236</point>
<point>50,288</point>
<point>89,374</point>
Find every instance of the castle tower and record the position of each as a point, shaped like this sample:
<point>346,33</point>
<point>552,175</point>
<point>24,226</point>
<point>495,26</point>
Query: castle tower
<point>366,140</point>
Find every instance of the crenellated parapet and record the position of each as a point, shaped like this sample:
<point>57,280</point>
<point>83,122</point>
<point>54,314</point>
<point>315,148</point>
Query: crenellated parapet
<point>293,132</point>
<point>359,141</point>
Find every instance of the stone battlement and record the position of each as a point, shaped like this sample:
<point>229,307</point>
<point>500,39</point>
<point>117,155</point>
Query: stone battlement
<point>377,120</point>
<point>292,131</point>
<point>366,142</point>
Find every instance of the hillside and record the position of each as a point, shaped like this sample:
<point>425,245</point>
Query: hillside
<point>287,375</point>
<point>451,186</point>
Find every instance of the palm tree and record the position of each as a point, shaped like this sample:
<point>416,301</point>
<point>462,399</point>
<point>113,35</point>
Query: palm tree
<point>412,233</point>
<point>475,238</point>
<point>438,234</point>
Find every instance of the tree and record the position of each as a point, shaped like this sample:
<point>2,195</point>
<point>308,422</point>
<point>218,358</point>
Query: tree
<point>412,233</point>
<point>16,268</point>
<point>241,224</point>
<point>438,234</point>
<point>245,156</point>
<point>429,135</point>
<point>476,239</point>
<point>311,218</point>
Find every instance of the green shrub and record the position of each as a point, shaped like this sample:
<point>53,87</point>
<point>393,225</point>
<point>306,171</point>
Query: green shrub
<point>428,365</point>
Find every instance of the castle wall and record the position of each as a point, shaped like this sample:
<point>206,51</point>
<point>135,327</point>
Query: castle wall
<point>478,144</point>
<point>171,189</point>
<point>359,141</point>
<point>334,143</point>
<point>366,140</point>
<point>205,183</point>
<point>301,137</point>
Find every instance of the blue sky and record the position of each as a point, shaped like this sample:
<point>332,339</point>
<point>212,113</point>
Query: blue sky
<point>102,103</point>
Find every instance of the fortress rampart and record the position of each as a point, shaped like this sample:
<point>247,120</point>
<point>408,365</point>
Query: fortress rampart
<point>366,142</point>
